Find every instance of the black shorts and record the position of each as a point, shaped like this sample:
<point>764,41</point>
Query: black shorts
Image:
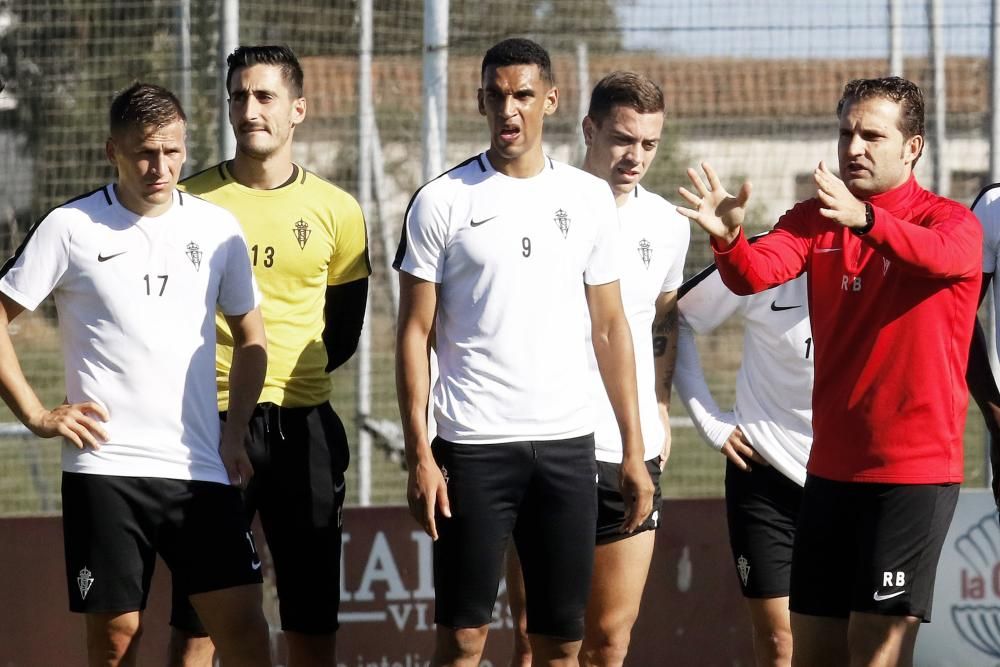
<point>870,548</point>
<point>542,493</point>
<point>611,505</point>
<point>113,528</point>
<point>299,457</point>
<point>762,507</point>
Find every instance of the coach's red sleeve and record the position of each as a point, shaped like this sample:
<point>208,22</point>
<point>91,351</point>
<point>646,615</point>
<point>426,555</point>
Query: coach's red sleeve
<point>772,259</point>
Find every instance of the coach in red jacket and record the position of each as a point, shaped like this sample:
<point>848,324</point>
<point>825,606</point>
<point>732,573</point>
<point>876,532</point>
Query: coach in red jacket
<point>894,274</point>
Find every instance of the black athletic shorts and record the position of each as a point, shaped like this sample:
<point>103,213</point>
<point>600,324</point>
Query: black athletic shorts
<point>762,507</point>
<point>870,548</point>
<point>542,493</point>
<point>611,505</point>
<point>113,528</point>
<point>299,456</point>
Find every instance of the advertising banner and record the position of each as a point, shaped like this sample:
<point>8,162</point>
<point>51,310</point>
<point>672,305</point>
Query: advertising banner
<point>965,631</point>
<point>692,611</point>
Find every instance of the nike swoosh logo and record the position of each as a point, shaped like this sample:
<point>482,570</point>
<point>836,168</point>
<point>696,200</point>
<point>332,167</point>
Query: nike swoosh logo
<point>339,487</point>
<point>476,223</point>
<point>776,308</point>
<point>104,258</point>
<point>878,597</point>
<point>255,565</point>
<point>827,249</point>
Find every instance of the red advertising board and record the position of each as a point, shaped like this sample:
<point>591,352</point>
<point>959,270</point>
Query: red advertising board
<point>692,610</point>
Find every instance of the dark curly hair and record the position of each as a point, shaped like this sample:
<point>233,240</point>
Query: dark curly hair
<point>519,51</point>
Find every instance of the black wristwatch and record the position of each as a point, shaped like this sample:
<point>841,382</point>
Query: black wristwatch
<point>869,221</point>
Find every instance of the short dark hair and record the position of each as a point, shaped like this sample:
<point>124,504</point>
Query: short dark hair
<point>144,105</point>
<point>277,55</point>
<point>626,89</point>
<point>519,51</point>
<point>896,89</point>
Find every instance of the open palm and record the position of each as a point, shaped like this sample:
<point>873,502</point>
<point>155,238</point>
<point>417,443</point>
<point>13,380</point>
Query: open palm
<point>714,209</point>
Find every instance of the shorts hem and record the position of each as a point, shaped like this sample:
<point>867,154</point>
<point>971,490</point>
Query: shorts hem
<point>461,625</point>
<point>110,609</point>
<point>618,537</point>
<point>765,595</point>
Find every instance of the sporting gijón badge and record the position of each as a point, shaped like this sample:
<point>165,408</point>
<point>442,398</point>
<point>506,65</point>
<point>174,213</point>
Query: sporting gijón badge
<point>645,251</point>
<point>302,233</point>
<point>84,580</point>
<point>193,251</point>
<point>562,221</point>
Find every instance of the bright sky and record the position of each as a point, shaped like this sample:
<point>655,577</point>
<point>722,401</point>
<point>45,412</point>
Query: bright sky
<point>798,28</point>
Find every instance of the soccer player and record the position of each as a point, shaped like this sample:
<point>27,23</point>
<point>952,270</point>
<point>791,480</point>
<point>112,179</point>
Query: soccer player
<point>309,252</point>
<point>497,258</point>
<point>622,133</point>
<point>765,437</point>
<point>982,384</point>
<point>137,270</point>
<point>894,275</point>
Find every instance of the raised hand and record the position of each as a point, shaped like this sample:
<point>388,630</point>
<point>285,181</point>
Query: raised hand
<point>714,209</point>
<point>839,204</point>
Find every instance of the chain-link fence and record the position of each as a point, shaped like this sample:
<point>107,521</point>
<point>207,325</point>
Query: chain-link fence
<point>751,87</point>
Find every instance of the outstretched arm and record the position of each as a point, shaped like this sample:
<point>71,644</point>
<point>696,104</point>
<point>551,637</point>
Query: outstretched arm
<point>616,362</point>
<point>77,422</point>
<point>246,379</point>
<point>426,491</point>
<point>714,209</point>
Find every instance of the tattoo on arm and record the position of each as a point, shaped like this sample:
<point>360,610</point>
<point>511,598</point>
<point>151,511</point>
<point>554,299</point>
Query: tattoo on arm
<point>665,348</point>
<point>661,332</point>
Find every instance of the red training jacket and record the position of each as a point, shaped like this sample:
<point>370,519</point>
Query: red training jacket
<point>892,316</point>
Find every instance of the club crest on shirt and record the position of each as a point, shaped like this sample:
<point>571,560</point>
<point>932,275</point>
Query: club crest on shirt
<point>645,251</point>
<point>562,221</point>
<point>84,581</point>
<point>193,252</point>
<point>302,233</point>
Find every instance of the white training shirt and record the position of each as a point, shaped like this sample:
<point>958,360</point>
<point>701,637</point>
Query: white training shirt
<point>774,383</point>
<point>136,300</point>
<point>653,242</point>
<point>987,209</point>
<point>511,256</point>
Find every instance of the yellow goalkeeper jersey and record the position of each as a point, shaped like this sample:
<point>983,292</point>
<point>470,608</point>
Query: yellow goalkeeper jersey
<point>301,237</point>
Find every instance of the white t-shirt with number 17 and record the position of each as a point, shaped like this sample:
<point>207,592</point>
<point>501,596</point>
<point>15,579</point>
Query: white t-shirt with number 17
<point>136,299</point>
